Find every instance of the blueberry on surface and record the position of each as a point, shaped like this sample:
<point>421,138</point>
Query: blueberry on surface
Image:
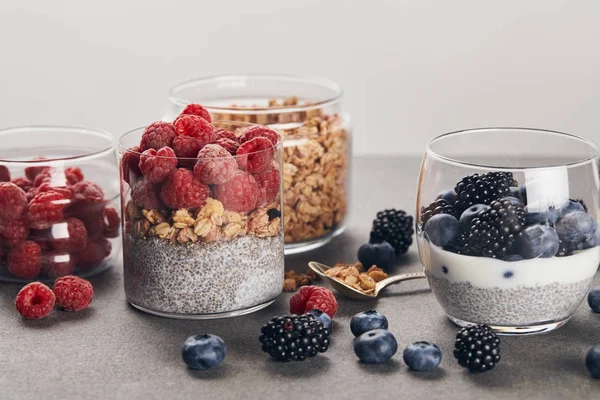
<point>448,195</point>
<point>367,321</point>
<point>442,229</point>
<point>467,216</point>
<point>375,347</point>
<point>203,351</point>
<point>512,258</point>
<point>593,299</point>
<point>422,356</point>
<point>381,254</point>
<point>592,361</point>
<point>325,319</point>
<point>537,241</point>
<point>577,229</point>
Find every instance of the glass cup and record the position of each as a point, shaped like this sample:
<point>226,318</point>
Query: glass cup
<point>205,240</point>
<point>58,203</point>
<point>507,226</point>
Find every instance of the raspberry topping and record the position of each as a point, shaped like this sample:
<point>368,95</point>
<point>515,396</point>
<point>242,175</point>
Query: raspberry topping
<point>45,209</point>
<point>56,264</point>
<point>230,145</point>
<point>259,131</point>
<point>198,110</point>
<point>255,155</point>
<point>12,201</point>
<point>112,222</point>
<point>93,253</point>
<point>157,135</point>
<point>268,187</point>
<point>23,183</point>
<point>196,127</point>
<point>14,231</point>
<point>146,195</point>
<point>24,260</point>
<point>223,133</point>
<point>239,193</point>
<point>35,300</point>
<point>156,165</point>
<point>73,175</point>
<point>183,190</point>
<point>69,235</point>
<point>215,165</point>
<point>308,298</point>
<point>129,164</point>
<point>186,146</point>
<point>73,293</point>
<point>4,174</point>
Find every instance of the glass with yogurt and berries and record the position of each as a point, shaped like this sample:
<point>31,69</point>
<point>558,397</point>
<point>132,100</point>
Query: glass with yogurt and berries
<point>507,226</point>
<point>201,201</point>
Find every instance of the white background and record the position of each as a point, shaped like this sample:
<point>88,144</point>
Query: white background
<point>411,69</point>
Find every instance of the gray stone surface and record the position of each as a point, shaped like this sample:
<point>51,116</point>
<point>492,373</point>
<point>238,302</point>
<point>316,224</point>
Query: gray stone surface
<point>112,351</point>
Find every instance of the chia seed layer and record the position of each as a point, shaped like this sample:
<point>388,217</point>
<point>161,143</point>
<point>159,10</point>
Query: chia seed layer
<point>519,306</point>
<point>202,278</point>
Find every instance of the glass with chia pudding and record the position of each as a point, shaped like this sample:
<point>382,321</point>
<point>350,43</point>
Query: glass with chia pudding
<point>507,226</point>
<point>203,233</point>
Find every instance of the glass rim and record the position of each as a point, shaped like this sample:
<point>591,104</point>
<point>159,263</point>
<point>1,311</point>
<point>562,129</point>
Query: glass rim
<point>585,160</point>
<point>323,82</point>
<point>64,128</point>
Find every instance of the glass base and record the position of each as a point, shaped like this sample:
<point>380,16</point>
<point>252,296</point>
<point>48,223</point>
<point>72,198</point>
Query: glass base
<point>516,330</point>
<point>6,277</point>
<point>228,314</point>
<point>308,245</point>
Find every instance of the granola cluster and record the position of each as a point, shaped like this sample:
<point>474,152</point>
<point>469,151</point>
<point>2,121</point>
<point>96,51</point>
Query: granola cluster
<point>294,280</point>
<point>353,275</point>
<point>209,223</point>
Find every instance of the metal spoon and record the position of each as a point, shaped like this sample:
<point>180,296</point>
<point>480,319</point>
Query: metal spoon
<point>356,294</point>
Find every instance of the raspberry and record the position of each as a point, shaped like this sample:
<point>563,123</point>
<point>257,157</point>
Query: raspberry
<point>157,164</point>
<point>73,175</point>
<point>32,172</point>
<point>255,155</point>
<point>239,193</point>
<point>45,209</point>
<point>56,264</point>
<point>308,298</point>
<point>157,135</point>
<point>53,177</point>
<point>215,165</point>
<point>12,201</point>
<point>4,174</point>
<point>130,160</point>
<point>69,235</point>
<point>269,185</point>
<point>14,231</point>
<point>147,195</point>
<point>94,252</point>
<point>259,131</point>
<point>94,224</point>
<point>24,260</point>
<point>222,133</point>
<point>198,110</point>
<point>67,192</point>
<point>89,198</point>
<point>230,145</point>
<point>23,183</point>
<point>73,293</point>
<point>186,147</point>
<point>182,190</point>
<point>196,127</point>
<point>35,300</point>
<point>112,221</point>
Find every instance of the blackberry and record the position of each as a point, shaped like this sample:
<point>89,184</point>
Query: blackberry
<point>483,189</point>
<point>395,227</point>
<point>273,213</point>
<point>294,338</point>
<point>440,206</point>
<point>477,348</point>
<point>494,231</point>
<point>461,246</point>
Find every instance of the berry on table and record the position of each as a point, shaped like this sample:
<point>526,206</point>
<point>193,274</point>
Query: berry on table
<point>46,209</point>
<point>483,189</point>
<point>215,165</point>
<point>367,321</point>
<point>593,299</point>
<point>537,241</point>
<point>196,127</point>
<point>422,356</point>
<point>203,352</point>
<point>255,155</point>
<point>183,190</point>
<point>259,131</point>
<point>269,185</point>
<point>146,194</point>
<point>35,301</point>
<point>469,214</point>
<point>442,229</point>
<point>198,110</point>
<point>325,319</point>
<point>130,160</point>
<point>56,264</point>
<point>592,361</point>
<point>24,260</point>
<point>157,135</point>
<point>381,254</point>
<point>375,346</point>
<point>440,206</point>
<point>308,298</point>
<point>12,201</point>
<point>69,235</point>
<point>477,348</point>
<point>395,227</point>
<point>156,165</point>
<point>73,293</point>
<point>239,194</point>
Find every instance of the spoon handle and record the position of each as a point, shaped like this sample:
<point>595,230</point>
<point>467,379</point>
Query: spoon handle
<point>400,278</point>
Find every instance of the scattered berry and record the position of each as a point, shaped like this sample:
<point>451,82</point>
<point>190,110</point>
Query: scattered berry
<point>4,174</point>
<point>130,170</point>
<point>469,214</point>
<point>259,131</point>
<point>198,110</point>
<point>14,231</point>
<point>157,135</point>
<point>35,301</point>
<point>238,194</point>
<point>593,299</point>
<point>69,235</point>
<point>229,145</point>
<point>375,346</point>
<point>269,186</point>
<point>310,297</point>
<point>73,175</point>
<point>592,361</point>
<point>12,201</point>
<point>203,351</point>
<point>442,229</point>
<point>440,206</point>
<point>187,147</point>
<point>56,264</point>
<point>46,209</point>
<point>93,253</point>
<point>156,165</point>
<point>255,155</point>
<point>422,356</point>
<point>196,127</point>
<point>73,293</point>
<point>537,241</point>
<point>483,189</point>
<point>381,254</point>
<point>222,133</point>
<point>395,227</point>
<point>23,183</point>
<point>477,348</point>
<point>24,260</point>
<point>215,165</point>
<point>325,319</point>
<point>577,229</point>
<point>147,195</point>
<point>367,321</point>
<point>183,190</point>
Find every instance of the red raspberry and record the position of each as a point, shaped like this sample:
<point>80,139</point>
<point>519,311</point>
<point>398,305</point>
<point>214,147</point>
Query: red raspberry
<point>239,193</point>
<point>35,300</point>
<point>129,164</point>
<point>14,231</point>
<point>215,165</point>
<point>69,235</point>
<point>89,198</point>
<point>198,110</point>
<point>147,195</point>
<point>73,175</point>
<point>269,185</point>
<point>157,135</point>
<point>56,264</point>
<point>4,174</point>
<point>186,147</point>
<point>67,192</point>
<point>32,172</point>
<point>255,155</point>
<point>24,260</point>
<point>12,201</point>
<point>52,176</point>
<point>182,190</point>
<point>230,145</point>
<point>94,224</point>
<point>93,253</point>
<point>73,293</point>
<point>23,183</point>
<point>259,131</point>
<point>222,133</point>
<point>196,127</point>
<point>308,298</point>
<point>112,221</point>
<point>156,165</point>
<point>45,209</point>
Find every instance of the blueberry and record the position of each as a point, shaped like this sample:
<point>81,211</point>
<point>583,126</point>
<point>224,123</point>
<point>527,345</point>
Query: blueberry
<point>571,207</point>
<point>512,257</point>
<point>375,347</point>
<point>537,241</point>
<point>367,321</point>
<point>325,319</point>
<point>592,361</point>
<point>536,213</point>
<point>448,195</point>
<point>445,269</point>
<point>577,229</point>
<point>422,356</point>
<point>523,193</point>
<point>381,254</point>
<point>509,274</point>
<point>470,213</point>
<point>203,351</point>
<point>514,191</point>
<point>442,229</point>
<point>513,200</point>
<point>594,299</point>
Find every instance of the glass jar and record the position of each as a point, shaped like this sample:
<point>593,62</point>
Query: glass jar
<point>58,203</point>
<point>198,245</point>
<point>507,226</point>
<point>308,114</point>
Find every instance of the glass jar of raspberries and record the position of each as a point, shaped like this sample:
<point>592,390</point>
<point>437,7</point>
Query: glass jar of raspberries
<point>202,209</point>
<point>316,133</point>
<point>58,203</point>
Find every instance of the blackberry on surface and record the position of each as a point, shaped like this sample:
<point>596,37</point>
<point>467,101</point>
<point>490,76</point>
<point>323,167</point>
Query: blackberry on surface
<point>395,227</point>
<point>439,206</point>
<point>294,338</point>
<point>477,348</point>
<point>494,231</point>
<point>483,189</point>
